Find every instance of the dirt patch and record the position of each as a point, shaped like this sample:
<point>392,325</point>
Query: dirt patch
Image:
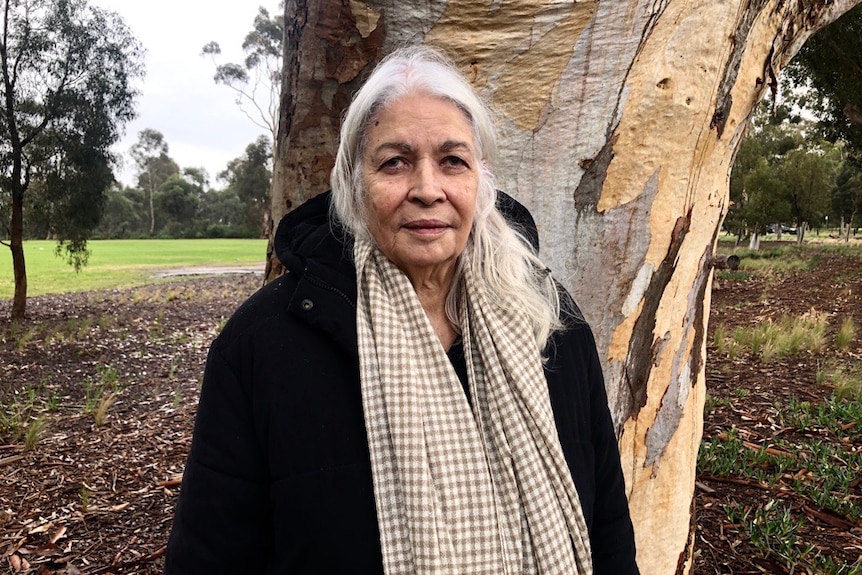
<point>94,498</point>
<point>746,398</point>
<point>97,499</point>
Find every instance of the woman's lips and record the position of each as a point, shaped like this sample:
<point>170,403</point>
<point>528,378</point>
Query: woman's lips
<point>427,226</point>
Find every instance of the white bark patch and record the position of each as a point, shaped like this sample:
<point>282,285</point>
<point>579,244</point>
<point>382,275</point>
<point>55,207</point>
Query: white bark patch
<point>639,286</point>
<point>608,259</point>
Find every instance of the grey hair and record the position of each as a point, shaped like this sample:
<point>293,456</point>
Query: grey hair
<point>496,253</point>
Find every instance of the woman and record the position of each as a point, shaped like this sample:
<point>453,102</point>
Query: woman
<point>412,397</point>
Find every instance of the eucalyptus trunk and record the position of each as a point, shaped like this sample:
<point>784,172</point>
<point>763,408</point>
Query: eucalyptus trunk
<point>19,266</point>
<point>619,123</point>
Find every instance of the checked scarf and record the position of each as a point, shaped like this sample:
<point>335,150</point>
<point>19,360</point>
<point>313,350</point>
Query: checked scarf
<point>461,489</point>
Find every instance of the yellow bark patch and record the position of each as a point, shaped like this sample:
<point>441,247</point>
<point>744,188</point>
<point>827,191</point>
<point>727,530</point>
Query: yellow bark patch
<point>522,63</point>
<point>366,17</point>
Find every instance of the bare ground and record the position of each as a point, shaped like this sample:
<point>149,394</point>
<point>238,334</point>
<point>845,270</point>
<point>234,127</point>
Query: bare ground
<point>98,499</point>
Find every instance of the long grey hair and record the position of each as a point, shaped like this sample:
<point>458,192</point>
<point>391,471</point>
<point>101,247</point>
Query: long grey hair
<point>496,253</point>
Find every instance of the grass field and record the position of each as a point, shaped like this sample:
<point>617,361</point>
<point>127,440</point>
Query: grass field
<point>122,263</point>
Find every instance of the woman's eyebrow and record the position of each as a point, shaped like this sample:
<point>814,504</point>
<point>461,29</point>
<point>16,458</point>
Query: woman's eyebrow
<point>451,145</point>
<point>400,147</point>
<point>405,148</point>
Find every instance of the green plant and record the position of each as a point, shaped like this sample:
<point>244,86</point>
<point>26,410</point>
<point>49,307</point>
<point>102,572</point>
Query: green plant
<point>22,337</point>
<point>847,381</point>
<point>846,333</point>
<point>711,402</point>
<point>100,394</point>
<point>109,376</point>
<point>220,324</point>
<point>773,530</point>
<point>788,336</point>
<point>84,493</point>
<point>36,429</point>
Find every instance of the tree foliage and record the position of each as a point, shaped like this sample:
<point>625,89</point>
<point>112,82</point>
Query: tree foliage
<point>783,173</point>
<point>828,69</point>
<point>66,90</point>
<point>168,201</point>
<point>847,197</point>
<point>249,178</point>
<point>150,154</point>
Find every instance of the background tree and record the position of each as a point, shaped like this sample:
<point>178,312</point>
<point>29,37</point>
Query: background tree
<point>178,200</point>
<point>619,124</point>
<point>150,154</point>
<point>222,215</point>
<point>257,81</point>
<point>66,73</point>
<point>764,202</point>
<point>807,176</point>
<point>755,185</point>
<point>250,178</point>
<point>124,215</point>
<point>828,71</point>
<point>847,197</point>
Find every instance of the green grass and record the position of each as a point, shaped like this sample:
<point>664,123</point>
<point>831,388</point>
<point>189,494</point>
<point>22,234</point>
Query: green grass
<point>121,263</point>
<point>774,339</point>
<point>813,457</point>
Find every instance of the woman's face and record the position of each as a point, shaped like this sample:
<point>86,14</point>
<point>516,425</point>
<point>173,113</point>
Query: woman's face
<point>421,174</point>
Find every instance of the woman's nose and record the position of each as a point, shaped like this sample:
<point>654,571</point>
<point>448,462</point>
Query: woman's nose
<point>426,186</point>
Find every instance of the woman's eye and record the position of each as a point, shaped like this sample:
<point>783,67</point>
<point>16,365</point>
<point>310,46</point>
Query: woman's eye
<point>392,164</point>
<point>454,162</point>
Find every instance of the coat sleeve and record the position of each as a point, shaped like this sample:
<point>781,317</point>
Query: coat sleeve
<point>222,523</point>
<point>612,535</point>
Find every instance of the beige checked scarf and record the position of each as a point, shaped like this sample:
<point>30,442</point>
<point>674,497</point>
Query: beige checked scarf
<point>461,491</point>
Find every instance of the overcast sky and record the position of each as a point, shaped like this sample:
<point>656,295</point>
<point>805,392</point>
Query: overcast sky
<point>200,120</point>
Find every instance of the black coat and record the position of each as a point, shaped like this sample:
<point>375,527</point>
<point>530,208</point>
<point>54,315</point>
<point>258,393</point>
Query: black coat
<point>278,479</point>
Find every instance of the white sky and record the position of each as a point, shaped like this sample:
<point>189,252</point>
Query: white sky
<point>200,120</point>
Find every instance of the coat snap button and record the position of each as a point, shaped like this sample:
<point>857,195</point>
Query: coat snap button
<point>306,305</point>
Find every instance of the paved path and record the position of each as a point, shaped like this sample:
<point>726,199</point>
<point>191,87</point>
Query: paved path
<point>211,270</point>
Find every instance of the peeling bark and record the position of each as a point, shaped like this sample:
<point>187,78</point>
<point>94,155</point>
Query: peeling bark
<point>328,45</point>
<point>643,348</point>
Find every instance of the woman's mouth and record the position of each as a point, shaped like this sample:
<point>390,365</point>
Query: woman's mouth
<point>426,226</point>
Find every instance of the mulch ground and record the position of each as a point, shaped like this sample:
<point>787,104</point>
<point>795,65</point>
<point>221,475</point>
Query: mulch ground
<point>748,396</point>
<point>98,499</point>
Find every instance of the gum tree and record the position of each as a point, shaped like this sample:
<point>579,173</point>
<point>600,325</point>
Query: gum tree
<point>66,73</point>
<point>619,121</point>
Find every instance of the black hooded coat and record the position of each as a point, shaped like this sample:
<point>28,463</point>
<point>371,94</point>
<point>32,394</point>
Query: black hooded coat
<point>278,478</point>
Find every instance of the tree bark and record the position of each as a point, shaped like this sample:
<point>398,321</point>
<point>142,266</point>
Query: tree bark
<point>328,44</point>
<point>619,124</point>
<point>19,267</point>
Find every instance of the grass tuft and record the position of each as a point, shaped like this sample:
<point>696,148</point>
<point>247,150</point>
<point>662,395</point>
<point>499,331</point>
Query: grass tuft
<point>846,333</point>
<point>774,340</point>
<point>100,413</point>
<point>36,430</point>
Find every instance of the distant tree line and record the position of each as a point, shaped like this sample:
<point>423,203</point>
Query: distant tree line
<point>800,167</point>
<point>169,201</point>
<point>788,179</point>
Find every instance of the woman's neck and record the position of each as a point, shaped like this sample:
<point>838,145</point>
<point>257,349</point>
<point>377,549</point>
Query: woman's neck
<point>433,301</point>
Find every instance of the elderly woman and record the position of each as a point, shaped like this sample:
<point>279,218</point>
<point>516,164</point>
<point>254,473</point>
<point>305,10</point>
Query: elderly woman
<point>417,395</point>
